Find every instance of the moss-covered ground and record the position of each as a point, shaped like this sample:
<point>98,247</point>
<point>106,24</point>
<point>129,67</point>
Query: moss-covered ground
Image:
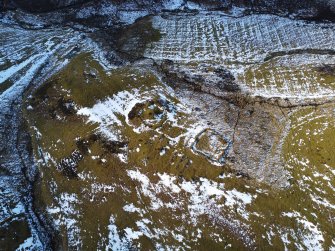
<point>102,187</point>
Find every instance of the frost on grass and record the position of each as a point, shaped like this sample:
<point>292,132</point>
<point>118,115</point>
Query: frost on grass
<point>199,198</point>
<point>128,106</point>
<point>64,215</point>
<point>141,198</point>
<point>26,59</point>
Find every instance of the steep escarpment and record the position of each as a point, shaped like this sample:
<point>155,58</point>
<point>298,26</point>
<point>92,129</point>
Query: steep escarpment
<point>309,9</point>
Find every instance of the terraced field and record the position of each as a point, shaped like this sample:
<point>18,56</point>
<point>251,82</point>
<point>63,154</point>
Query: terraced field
<point>130,158</point>
<point>269,56</point>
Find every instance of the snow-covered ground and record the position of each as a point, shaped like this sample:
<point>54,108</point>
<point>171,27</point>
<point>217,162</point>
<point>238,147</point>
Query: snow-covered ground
<point>227,203</point>
<point>27,58</point>
<point>121,206</point>
<point>269,56</point>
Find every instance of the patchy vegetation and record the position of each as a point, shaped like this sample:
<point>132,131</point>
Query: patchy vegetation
<point>127,162</point>
<point>153,173</point>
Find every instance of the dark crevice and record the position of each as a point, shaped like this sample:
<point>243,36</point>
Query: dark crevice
<point>272,55</point>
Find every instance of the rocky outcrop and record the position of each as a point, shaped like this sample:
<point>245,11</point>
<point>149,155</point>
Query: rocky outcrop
<point>216,80</point>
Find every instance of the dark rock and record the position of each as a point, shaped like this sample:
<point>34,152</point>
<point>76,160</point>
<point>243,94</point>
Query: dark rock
<point>91,74</point>
<point>114,146</point>
<point>68,165</point>
<point>67,106</point>
<point>94,137</point>
<point>227,82</point>
<point>327,69</point>
<point>134,113</point>
<point>242,175</point>
<point>83,146</point>
<point>203,78</point>
<point>52,112</point>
